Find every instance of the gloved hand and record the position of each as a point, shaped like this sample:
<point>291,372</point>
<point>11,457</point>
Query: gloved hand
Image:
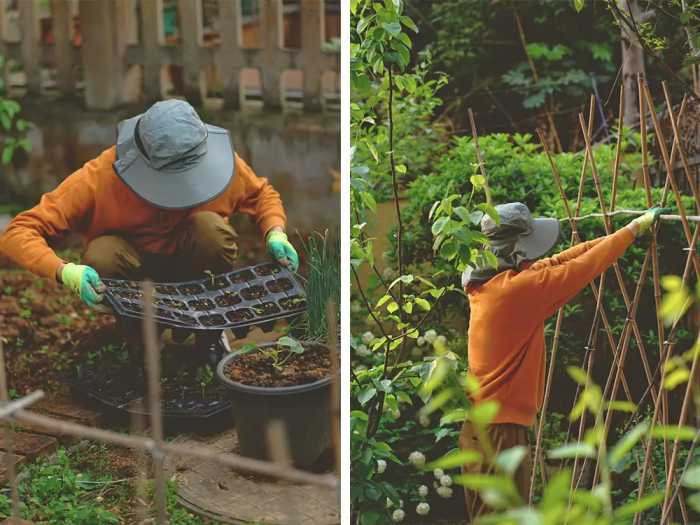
<point>84,282</point>
<point>280,248</point>
<point>644,222</point>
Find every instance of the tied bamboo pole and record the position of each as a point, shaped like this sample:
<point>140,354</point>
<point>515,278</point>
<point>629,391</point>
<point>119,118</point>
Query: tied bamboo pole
<point>10,458</point>
<point>150,339</point>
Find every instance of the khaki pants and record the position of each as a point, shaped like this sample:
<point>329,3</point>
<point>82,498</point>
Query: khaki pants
<point>204,241</point>
<point>502,436</point>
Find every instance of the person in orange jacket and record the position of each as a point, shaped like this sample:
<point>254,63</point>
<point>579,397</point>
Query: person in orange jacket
<point>154,205</point>
<point>508,307</point>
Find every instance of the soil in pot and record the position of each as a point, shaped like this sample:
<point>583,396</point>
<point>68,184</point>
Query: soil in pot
<point>279,285</point>
<point>241,277</point>
<point>253,292</point>
<point>257,368</point>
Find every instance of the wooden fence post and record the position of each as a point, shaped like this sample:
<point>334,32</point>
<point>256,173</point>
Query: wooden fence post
<point>271,67</point>
<point>312,37</point>
<point>151,41</point>
<point>230,55</point>
<point>31,52</point>
<point>102,51</point>
<point>190,13</point>
<point>63,47</point>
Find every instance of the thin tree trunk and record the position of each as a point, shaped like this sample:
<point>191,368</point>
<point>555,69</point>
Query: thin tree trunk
<point>632,61</point>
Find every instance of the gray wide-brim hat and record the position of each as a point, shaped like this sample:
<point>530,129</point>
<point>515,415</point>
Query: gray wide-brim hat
<point>516,238</point>
<point>171,159</point>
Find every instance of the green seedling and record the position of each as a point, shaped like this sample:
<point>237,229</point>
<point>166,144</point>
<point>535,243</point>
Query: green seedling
<point>205,377</point>
<point>279,354</point>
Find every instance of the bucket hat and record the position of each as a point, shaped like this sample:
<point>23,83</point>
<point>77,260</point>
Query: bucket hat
<point>172,159</point>
<point>517,237</point>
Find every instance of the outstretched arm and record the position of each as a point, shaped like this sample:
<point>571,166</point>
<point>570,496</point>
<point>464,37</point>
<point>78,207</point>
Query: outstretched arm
<point>558,284</point>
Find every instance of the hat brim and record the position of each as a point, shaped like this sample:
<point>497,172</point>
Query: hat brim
<point>176,190</point>
<point>545,235</point>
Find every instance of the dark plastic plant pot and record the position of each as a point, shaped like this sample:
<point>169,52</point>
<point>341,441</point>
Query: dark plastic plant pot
<point>303,409</point>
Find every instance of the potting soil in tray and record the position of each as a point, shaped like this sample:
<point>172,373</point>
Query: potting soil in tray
<point>256,368</point>
<point>259,294</point>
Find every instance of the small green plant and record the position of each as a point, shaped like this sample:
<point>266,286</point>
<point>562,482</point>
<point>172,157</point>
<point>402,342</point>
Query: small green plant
<point>205,377</point>
<point>323,283</point>
<point>279,354</point>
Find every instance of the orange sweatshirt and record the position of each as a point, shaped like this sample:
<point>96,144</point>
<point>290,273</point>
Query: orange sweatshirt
<point>94,201</point>
<point>506,326</point>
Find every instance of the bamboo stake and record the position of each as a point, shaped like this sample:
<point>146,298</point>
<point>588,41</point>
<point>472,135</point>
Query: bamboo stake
<point>150,339</point>
<point>668,350</point>
<point>667,504</point>
<point>335,384</point>
<point>671,177</point>
<point>681,149</point>
<point>616,266</point>
<point>10,458</point>
<point>665,217</point>
<point>656,272</point>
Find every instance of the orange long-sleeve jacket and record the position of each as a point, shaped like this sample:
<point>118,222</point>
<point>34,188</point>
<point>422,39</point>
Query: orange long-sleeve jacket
<point>506,350</point>
<point>94,201</point>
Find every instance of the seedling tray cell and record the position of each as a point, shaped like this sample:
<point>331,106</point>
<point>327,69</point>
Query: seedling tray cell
<point>256,295</point>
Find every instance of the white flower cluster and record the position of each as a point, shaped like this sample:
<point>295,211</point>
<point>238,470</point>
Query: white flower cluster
<point>430,337</point>
<point>442,484</point>
<point>417,459</point>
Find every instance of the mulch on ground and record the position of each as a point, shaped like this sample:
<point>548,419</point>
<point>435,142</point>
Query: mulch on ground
<point>46,330</point>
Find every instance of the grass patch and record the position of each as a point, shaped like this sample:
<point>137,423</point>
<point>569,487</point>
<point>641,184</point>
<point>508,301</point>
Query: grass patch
<point>89,484</point>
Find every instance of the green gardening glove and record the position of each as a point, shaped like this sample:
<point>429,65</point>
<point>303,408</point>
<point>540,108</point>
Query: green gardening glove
<point>84,282</point>
<point>280,248</point>
<point>644,222</point>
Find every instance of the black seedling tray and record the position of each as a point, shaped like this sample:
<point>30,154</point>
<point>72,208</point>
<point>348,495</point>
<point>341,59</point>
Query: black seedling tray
<point>256,295</point>
<point>122,394</point>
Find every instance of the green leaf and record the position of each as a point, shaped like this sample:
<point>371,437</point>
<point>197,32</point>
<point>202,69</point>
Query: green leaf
<point>694,501</point>
<point>454,459</point>
<point>366,394</point>
<point>483,413</point>
<point>369,201</point>
<point>691,478</point>
<point>577,374</point>
<point>7,154</point>
<point>383,300</point>
<point>393,28</point>
<point>401,169</point>
<point>409,23</point>
<point>408,307</point>
<point>579,5</point>
<point>627,443</point>
<point>392,307</point>
<point>509,460</point>
<point>630,509</point>
<point>423,304</point>
<point>572,450</point>
<point>673,432</point>
<point>439,225</point>
<point>478,181</point>
<point>292,344</point>
<point>675,378</point>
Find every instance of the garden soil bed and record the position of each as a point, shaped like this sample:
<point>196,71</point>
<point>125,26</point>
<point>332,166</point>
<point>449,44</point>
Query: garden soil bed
<point>46,330</point>
<point>256,369</point>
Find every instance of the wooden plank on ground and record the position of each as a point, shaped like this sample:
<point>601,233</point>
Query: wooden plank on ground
<point>31,445</point>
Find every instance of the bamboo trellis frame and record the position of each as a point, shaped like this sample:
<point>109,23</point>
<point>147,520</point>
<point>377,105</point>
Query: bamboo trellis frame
<point>619,348</point>
<point>16,412</point>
